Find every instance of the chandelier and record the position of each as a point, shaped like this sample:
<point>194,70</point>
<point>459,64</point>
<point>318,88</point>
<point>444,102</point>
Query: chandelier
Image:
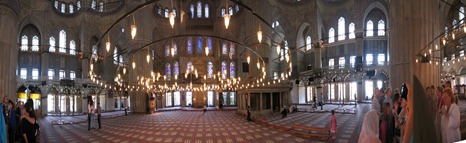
<point>192,79</point>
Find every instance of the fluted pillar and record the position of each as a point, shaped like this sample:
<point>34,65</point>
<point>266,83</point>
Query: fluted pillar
<point>413,24</point>
<point>8,51</point>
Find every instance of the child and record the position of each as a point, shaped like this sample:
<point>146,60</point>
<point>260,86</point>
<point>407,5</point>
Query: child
<point>333,125</point>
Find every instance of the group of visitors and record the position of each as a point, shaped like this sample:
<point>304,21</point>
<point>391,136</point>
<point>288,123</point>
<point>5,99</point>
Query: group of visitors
<point>92,111</point>
<point>18,122</point>
<point>391,118</point>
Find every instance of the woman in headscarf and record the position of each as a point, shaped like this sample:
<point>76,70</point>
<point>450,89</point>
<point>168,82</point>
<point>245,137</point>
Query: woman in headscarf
<point>370,128</point>
<point>3,137</point>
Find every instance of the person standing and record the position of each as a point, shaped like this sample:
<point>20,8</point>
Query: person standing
<point>99,112</point>
<point>375,102</point>
<point>3,135</point>
<point>29,126</point>
<point>11,122</point>
<point>249,116</point>
<point>89,113</point>
<point>370,128</point>
<point>333,125</point>
<point>450,118</point>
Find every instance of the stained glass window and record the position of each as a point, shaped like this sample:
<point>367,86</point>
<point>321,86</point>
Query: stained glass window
<point>71,8</point>
<point>189,67</point>
<point>174,12</point>
<point>199,45</point>
<point>331,35</point>
<point>381,27</point>
<point>78,4</point>
<point>232,70</point>
<point>72,47</point>
<point>199,9</point>
<point>115,56</point>
<point>167,50</point>
<point>63,8</point>
<point>369,28</point>
<point>461,16</point>
<point>230,10</point>
<point>175,49</point>
<point>52,44</point>
<point>168,71</point>
<point>24,43</point>
<point>190,46</point>
<point>308,43</point>
<point>35,43</point>
<point>351,31</point>
<point>176,70</point>
<point>236,8</point>
<point>225,49</point>
<point>232,49</point>
<point>166,13</point>
<point>93,5</point>
<point>206,10</point>
<point>191,9</point>
<point>121,60</point>
<point>224,70</point>
<point>209,43</point>
<point>223,12</point>
<point>62,42</point>
<point>210,69</point>
<point>101,7</point>
<point>341,29</point>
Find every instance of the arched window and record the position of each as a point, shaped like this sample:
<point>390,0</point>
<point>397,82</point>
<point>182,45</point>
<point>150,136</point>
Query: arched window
<point>56,4</point>
<point>236,8</point>
<point>232,49</point>
<point>369,28</point>
<point>232,70</point>
<point>115,56</point>
<point>93,4</point>
<point>351,31</point>
<point>121,60</point>
<point>190,46</point>
<point>63,8</point>
<point>62,42</point>
<point>166,13</point>
<point>230,10</point>
<point>174,12</point>
<point>454,24</point>
<point>101,7</point>
<point>461,16</point>
<point>223,12</point>
<point>71,8</point>
<point>331,35</point>
<point>210,69</point>
<point>175,49</point>
<point>176,70</point>
<point>225,49</point>
<point>381,28</point>
<point>35,43</point>
<point>209,45</point>
<point>341,29</point>
<point>308,43</point>
<point>446,32</point>
<point>286,47</point>
<point>199,45</point>
<point>224,70</point>
<point>94,52</point>
<point>191,9</point>
<point>167,50</point>
<point>78,5</point>
<point>72,47</point>
<point>206,10</point>
<point>24,43</point>
<point>199,9</point>
<point>52,44</point>
<point>168,71</point>
<point>189,66</point>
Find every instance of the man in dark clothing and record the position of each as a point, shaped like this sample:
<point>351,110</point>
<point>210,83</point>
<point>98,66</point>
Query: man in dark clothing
<point>29,127</point>
<point>249,116</point>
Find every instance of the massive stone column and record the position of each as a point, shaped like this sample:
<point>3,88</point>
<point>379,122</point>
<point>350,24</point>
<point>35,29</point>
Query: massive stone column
<point>8,50</point>
<point>413,24</point>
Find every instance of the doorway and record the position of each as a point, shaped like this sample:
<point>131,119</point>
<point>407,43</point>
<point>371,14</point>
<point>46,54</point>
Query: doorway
<point>276,101</point>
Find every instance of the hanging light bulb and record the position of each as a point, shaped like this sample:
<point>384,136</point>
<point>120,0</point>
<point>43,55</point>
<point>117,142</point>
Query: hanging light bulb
<point>227,20</point>
<point>258,64</point>
<point>124,70</point>
<point>133,31</point>
<point>436,47</point>
<point>453,35</point>
<point>278,49</point>
<point>259,35</point>
<point>171,16</point>
<point>248,59</point>
<point>92,67</point>
<point>444,41</point>
<point>148,58</point>
<point>134,65</point>
<point>287,57</point>
<point>464,28</point>
<point>107,44</point>
<point>207,51</point>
